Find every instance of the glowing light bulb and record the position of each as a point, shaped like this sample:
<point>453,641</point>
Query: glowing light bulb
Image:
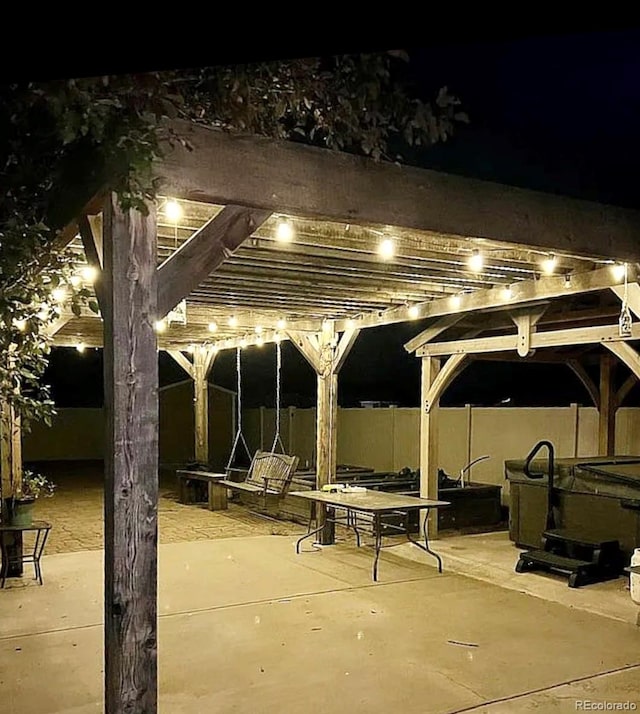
<point>455,301</point>
<point>43,313</point>
<point>233,321</point>
<point>260,340</point>
<point>173,211</point>
<point>285,231</point>
<point>413,312</point>
<point>160,326</point>
<point>351,322</point>
<point>476,261</point>
<point>81,347</point>
<point>59,294</point>
<point>191,349</point>
<point>75,280</point>
<point>281,324</point>
<point>386,249</point>
<point>243,342</point>
<point>549,264</point>
<point>507,293</point>
<point>89,273</point>
<point>278,337</point>
<point>619,271</point>
<point>213,327</point>
<point>258,329</point>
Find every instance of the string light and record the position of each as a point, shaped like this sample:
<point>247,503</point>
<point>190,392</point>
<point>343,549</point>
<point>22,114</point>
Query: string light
<point>259,340</point>
<point>507,292</point>
<point>81,347</point>
<point>619,271</point>
<point>191,349</point>
<point>258,329</point>
<point>455,301</point>
<point>285,231</point>
<point>549,264</point>
<point>89,273</point>
<point>351,322</point>
<point>476,261</point>
<point>213,327</point>
<point>43,313</point>
<point>386,249</point>
<point>75,280</point>
<point>59,294</point>
<point>243,342</point>
<point>160,326</point>
<point>233,321</point>
<point>281,324</point>
<point>173,210</point>
<point>413,312</point>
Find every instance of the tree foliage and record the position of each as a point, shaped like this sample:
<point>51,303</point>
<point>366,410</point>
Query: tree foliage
<point>66,140</point>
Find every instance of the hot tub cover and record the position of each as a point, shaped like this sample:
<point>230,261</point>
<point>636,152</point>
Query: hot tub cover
<point>609,476</point>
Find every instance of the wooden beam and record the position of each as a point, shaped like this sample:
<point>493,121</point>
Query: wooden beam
<point>431,332</point>
<point>347,341</point>
<point>93,251</point>
<point>131,463</point>
<point>627,354</point>
<point>304,344</point>
<point>53,327</point>
<point>183,361</point>
<point>201,254</point>
<point>526,320</point>
<point>607,334</point>
<point>447,373</point>
<point>581,373</point>
<point>633,296</point>
<point>526,291</point>
<point>302,180</point>
<point>622,393</point>
<point>607,411</point>
<point>429,439</point>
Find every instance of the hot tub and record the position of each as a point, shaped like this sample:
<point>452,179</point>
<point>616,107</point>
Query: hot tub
<point>598,496</point>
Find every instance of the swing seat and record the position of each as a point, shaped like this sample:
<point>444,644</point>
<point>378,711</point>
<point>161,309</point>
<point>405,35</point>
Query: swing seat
<point>270,474</point>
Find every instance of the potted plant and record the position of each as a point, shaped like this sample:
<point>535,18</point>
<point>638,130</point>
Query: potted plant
<point>33,485</point>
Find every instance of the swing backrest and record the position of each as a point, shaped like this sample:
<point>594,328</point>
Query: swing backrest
<point>276,469</point>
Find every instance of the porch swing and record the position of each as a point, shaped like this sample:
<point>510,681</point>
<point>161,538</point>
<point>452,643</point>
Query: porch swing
<point>270,472</point>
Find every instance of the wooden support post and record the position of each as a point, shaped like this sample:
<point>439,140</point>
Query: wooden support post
<point>131,463</point>
<point>202,363</point>
<point>429,439</point>
<point>607,420</point>
<point>326,354</point>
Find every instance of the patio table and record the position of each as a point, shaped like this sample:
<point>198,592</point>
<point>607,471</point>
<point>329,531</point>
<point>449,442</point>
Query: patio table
<point>373,505</point>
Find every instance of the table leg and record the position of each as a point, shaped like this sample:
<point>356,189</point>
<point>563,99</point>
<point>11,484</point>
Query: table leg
<point>424,547</point>
<point>309,533</point>
<point>41,541</point>
<point>377,532</point>
<point>217,497</point>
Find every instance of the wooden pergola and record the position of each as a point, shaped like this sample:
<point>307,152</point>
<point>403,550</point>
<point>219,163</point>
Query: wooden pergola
<point>319,291</point>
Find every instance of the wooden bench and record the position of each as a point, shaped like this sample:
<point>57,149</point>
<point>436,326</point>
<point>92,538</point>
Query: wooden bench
<point>269,475</point>
<point>187,491</point>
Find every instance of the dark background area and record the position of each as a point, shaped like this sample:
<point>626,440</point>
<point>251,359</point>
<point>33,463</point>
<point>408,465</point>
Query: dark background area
<point>553,112</point>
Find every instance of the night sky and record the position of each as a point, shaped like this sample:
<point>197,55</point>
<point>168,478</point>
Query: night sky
<point>558,113</point>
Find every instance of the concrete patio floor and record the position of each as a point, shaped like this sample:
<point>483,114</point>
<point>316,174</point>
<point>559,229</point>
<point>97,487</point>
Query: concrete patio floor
<point>248,626</point>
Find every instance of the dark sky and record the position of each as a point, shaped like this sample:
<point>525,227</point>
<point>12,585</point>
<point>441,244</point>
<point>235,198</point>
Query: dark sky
<point>559,113</point>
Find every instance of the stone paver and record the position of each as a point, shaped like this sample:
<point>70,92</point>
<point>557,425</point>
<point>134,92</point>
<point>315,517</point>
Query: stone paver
<point>76,512</point>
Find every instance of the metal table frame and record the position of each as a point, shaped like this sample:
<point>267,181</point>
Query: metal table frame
<point>42,529</point>
<point>383,504</point>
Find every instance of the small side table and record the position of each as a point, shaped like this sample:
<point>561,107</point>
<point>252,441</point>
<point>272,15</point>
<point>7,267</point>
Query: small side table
<point>42,529</point>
